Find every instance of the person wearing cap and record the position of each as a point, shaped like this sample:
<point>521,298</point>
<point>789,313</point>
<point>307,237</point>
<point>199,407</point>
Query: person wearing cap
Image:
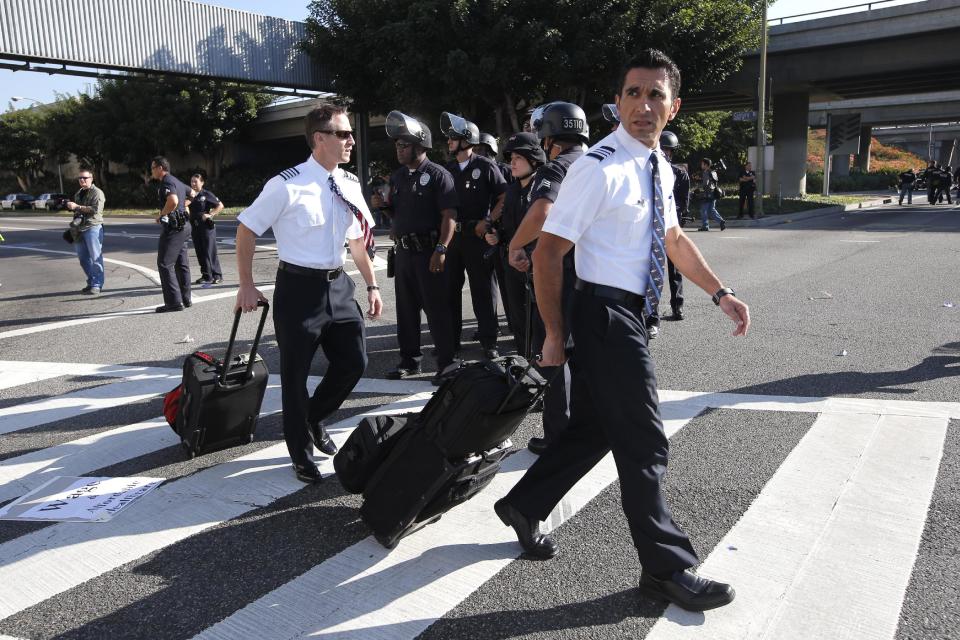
<point>423,202</point>
<point>204,205</point>
<point>562,129</point>
<point>313,209</point>
<point>616,206</point>
<point>480,187</point>
<point>526,157</point>
<point>173,262</point>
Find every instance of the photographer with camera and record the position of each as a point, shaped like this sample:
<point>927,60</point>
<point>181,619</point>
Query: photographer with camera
<point>710,192</point>
<point>86,230</point>
<point>172,261</point>
<point>203,206</point>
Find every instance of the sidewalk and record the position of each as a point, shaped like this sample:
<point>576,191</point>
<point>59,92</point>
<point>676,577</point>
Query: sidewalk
<point>870,199</point>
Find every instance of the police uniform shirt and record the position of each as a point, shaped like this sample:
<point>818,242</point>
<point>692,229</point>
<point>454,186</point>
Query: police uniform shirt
<point>478,185</point>
<point>605,207</point>
<point>418,197</point>
<point>203,202</point>
<point>546,182</point>
<point>171,185</point>
<point>746,187</point>
<point>681,188</point>
<point>310,222</point>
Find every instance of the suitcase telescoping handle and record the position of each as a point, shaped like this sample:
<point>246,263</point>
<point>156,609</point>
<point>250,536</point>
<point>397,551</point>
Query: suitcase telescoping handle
<point>253,349</point>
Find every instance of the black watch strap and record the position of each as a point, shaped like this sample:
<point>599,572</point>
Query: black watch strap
<point>726,291</point>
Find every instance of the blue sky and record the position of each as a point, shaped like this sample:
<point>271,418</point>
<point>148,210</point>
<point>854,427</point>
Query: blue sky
<point>44,88</point>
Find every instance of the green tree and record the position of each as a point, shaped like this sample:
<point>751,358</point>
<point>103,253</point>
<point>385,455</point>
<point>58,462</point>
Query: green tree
<point>22,149</point>
<point>493,59</point>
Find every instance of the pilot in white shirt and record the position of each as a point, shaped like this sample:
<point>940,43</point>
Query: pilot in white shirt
<point>313,303</point>
<point>608,207</point>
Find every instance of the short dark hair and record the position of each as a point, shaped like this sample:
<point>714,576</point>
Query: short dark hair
<point>708,161</point>
<point>198,174</point>
<point>161,162</point>
<point>85,169</point>
<point>653,59</point>
<point>319,118</point>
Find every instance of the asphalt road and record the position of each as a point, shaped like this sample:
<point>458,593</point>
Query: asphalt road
<point>862,305</point>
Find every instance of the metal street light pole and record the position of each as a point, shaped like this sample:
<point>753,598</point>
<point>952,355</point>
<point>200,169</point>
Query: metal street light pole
<point>761,112</point>
<point>59,165</point>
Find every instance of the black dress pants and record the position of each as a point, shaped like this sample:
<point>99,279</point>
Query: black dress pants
<point>675,280</point>
<point>205,244</point>
<point>465,253</point>
<point>614,407</point>
<point>173,264</point>
<point>417,289</point>
<point>500,275</point>
<point>746,197</point>
<point>515,302</point>
<point>308,313</point>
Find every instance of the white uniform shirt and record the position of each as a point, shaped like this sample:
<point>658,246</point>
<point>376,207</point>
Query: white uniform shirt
<point>309,221</point>
<point>605,206</point>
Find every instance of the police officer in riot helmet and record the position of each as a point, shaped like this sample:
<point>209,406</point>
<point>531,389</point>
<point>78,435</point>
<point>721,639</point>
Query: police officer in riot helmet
<point>669,143</point>
<point>489,148</point>
<point>423,204</point>
<point>526,156</point>
<point>480,187</point>
<point>563,132</point>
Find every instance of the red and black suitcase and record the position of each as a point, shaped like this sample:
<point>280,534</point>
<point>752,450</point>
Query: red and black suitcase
<point>220,400</point>
<point>452,449</point>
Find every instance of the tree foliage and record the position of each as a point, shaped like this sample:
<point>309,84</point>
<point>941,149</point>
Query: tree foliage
<point>492,59</point>
<point>21,145</point>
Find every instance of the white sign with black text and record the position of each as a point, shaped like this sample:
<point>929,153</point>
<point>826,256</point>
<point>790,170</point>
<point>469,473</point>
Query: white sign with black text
<point>66,499</point>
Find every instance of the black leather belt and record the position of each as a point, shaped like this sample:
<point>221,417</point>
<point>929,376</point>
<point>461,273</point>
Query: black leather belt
<point>418,242</point>
<point>610,293</point>
<point>327,274</point>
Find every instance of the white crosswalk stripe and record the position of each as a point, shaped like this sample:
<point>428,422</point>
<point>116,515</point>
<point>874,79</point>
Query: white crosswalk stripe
<point>851,498</point>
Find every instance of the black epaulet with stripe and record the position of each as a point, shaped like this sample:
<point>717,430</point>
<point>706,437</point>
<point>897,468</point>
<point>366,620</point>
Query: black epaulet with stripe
<point>602,153</point>
<point>286,174</point>
<point>350,176</point>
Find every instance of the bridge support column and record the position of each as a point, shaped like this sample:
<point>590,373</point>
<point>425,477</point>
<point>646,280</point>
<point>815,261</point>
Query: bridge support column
<point>791,113</point>
<point>840,166</point>
<point>863,155</point>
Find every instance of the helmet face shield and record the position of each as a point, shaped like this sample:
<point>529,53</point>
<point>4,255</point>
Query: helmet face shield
<point>457,127</point>
<point>400,126</point>
<point>610,113</point>
<point>536,119</point>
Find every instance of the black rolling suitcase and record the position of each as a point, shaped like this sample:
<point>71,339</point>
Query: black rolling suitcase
<point>452,449</point>
<point>219,405</point>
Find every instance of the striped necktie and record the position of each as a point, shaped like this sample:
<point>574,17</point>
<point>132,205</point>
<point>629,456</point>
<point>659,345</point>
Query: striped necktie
<point>658,255</point>
<point>367,232</point>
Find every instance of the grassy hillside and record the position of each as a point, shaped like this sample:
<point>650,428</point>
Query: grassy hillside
<point>882,157</point>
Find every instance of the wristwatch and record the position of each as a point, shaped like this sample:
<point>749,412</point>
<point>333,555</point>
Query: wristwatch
<point>372,287</point>
<point>440,248</point>
<point>726,291</point>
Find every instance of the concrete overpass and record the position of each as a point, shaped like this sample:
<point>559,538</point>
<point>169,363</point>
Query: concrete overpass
<point>938,141</point>
<point>875,54</point>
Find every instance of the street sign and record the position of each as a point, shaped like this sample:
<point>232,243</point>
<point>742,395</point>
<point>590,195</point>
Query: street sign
<point>744,116</point>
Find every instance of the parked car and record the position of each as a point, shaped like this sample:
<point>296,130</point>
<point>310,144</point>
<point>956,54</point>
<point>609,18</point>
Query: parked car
<point>51,201</point>
<point>16,201</point>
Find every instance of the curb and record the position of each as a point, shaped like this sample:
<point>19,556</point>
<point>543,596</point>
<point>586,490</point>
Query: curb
<point>773,220</point>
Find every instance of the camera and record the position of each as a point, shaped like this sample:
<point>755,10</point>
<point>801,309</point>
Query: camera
<point>77,220</point>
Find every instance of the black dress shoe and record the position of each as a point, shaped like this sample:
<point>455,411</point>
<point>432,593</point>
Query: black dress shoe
<point>308,473</point>
<point>322,439</point>
<point>534,543</point>
<point>537,446</point>
<point>653,331</point>
<point>168,308</point>
<point>491,354</point>
<point>678,314</point>
<point>723,225</point>
<point>188,303</point>
<point>687,590</point>
<point>201,281</point>
<point>402,372</point>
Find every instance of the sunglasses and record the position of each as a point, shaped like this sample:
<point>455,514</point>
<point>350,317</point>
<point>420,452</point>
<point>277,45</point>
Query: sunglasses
<point>343,135</point>
<point>85,178</point>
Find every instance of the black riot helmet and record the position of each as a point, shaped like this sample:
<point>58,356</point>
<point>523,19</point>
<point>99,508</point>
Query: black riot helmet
<point>527,145</point>
<point>491,143</point>
<point>458,128</point>
<point>610,113</point>
<point>669,140</point>
<point>400,126</point>
<point>561,119</point>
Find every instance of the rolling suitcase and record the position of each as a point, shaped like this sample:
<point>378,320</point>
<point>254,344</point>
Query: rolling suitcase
<point>220,399</point>
<point>453,449</point>
<point>367,447</point>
